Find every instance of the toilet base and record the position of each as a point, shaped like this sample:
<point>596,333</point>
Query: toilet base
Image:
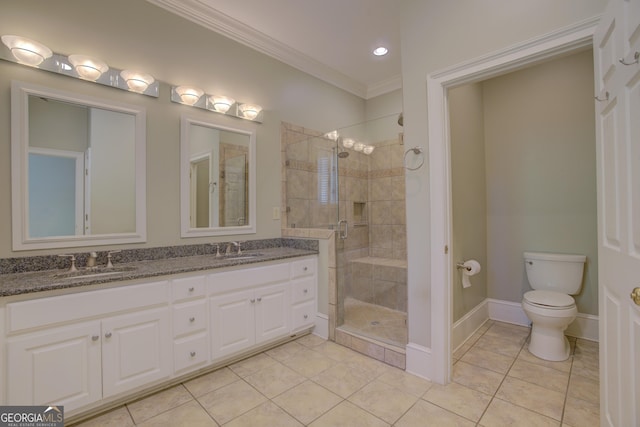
<point>549,344</point>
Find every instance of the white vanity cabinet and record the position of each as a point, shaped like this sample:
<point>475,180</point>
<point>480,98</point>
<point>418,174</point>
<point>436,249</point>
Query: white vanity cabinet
<point>252,315</point>
<point>87,349</point>
<point>76,349</point>
<point>190,324</point>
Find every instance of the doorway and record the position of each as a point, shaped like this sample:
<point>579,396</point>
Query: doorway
<point>438,84</point>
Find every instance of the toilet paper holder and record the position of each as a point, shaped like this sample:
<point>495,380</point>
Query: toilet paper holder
<point>461,265</point>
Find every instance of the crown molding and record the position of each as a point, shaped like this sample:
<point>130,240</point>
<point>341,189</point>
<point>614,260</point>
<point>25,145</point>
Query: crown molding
<point>385,86</point>
<point>201,14</point>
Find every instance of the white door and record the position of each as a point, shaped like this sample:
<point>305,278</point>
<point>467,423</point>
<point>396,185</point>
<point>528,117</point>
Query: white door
<point>617,40</point>
<point>232,322</point>
<point>272,312</point>
<point>136,350</point>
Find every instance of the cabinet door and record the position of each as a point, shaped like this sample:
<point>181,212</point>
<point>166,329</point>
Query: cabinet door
<point>58,366</point>
<point>272,312</point>
<point>136,350</point>
<point>232,322</point>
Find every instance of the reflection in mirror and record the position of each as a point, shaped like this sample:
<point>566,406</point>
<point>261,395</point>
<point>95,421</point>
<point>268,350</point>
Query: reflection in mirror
<point>77,170</point>
<point>217,179</point>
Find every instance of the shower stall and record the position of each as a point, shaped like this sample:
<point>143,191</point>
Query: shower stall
<point>351,180</point>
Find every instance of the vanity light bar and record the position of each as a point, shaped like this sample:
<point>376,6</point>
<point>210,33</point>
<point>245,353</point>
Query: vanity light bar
<point>33,54</point>
<point>195,97</point>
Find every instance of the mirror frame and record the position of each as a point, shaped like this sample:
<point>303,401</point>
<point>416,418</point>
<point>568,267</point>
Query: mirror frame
<point>186,122</point>
<point>20,92</point>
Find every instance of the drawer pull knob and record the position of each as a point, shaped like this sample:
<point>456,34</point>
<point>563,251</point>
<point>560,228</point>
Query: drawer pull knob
<point>306,291</point>
<point>305,268</point>
<point>306,316</point>
<point>193,354</point>
<point>252,300</point>
<point>191,289</point>
<point>108,335</point>
<point>192,319</point>
<point>95,337</point>
<point>259,299</point>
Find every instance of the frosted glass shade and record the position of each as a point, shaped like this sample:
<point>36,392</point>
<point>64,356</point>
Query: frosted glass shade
<point>27,51</point>
<point>137,82</point>
<point>88,68</point>
<point>221,104</point>
<point>189,95</point>
<point>250,111</point>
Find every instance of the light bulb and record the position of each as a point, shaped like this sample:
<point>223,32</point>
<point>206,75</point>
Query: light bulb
<point>221,104</point>
<point>359,146</point>
<point>189,95</point>
<point>368,149</point>
<point>27,51</point>
<point>137,82</point>
<point>348,142</point>
<point>88,68</point>
<point>250,111</point>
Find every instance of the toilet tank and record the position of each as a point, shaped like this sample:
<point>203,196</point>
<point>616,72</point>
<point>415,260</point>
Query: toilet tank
<point>555,272</point>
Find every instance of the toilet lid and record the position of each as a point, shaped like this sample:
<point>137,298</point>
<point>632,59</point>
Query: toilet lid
<point>549,299</point>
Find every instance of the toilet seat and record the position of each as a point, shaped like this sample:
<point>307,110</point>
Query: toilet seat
<point>549,300</point>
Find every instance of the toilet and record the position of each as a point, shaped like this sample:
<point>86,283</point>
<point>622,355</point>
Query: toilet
<point>549,306</point>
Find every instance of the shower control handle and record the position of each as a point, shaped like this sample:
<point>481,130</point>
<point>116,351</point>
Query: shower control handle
<point>345,234</point>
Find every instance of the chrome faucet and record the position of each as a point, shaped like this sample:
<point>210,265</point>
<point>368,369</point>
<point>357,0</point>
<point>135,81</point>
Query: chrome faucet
<point>229,246</point>
<point>72,268</point>
<point>91,261</point>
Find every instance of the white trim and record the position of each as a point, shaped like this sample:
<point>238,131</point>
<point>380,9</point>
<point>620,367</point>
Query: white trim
<point>418,361</point>
<point>585,326</point>
<point>322,326</point>
<point>515,57</point>
<point>508,312</point>
<point>469,324</point>
<point>198,12</point>
<point>386,86</point>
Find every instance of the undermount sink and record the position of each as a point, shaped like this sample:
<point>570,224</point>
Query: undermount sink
<point>243,256</point>
<point>92,272</point>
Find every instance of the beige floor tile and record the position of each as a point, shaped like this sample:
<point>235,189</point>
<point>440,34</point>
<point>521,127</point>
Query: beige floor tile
<point>477,378</point>
<point>587,365</point>
<point>513,333</point>
<point>309,362</point>
<point>539,399</point>
<point>231,401</point>
<point>383,400</point>
<point>307,401</point>
<point>564,366</point>
<point>459,399</point>
<point>540,375</point>
<point>348,415</point>
<point>499,345</point>
<point>425,414</point>
<point>460,351</point>
<point>584,388</point>
<point>488,360</point>
<point>267,414</point>
<point>501,413</point>
<point>335,351</point>
<point>580,413</point>
<point>211,381</point>
<point>274,379</point>
<point>343,379</point>
<point>252,365</point>
<point>406,382</point>
<point>189,414</point>
<point>153,405</point>
<point>587,347</point>
<point>119,417</point>
<point>285,351</point>
<point>311,340</point>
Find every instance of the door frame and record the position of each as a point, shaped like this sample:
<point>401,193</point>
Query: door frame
<point>560,42</point>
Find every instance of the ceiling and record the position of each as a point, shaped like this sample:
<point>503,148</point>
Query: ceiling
<point>329,39</point>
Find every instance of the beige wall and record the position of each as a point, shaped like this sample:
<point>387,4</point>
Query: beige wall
<point>136,34</point>
<point>438,34</point>
<point>468,191</point>
<point>541,172</point>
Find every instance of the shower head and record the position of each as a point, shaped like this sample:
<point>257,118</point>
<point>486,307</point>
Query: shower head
<point>343,154</point>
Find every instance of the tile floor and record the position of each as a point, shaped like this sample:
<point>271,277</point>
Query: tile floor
<point>496,382</point>
<point>375,321</point>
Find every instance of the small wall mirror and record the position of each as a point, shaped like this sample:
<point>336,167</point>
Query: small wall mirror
<point>78,170</point>
<point>217,168</point>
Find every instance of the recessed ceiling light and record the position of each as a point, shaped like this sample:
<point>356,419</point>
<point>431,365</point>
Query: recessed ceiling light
<point>380,51</point>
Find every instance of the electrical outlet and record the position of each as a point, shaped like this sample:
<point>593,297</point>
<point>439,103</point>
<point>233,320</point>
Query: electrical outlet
<point>276,213</point>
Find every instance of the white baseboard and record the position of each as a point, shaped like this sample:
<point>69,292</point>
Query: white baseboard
<point>469,324</point>
<point>418,360</point>
<point>585,326</point>
<point>507,311</point>
<point>322,326</point>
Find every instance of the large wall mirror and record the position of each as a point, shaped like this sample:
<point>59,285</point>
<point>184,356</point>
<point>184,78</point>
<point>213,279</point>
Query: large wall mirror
<point>218,185</point>
<point>78,170</point>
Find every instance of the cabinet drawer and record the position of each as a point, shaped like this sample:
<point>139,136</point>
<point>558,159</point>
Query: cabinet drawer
<point>303,315</point>
<point>303,290</point>
<point>191,352</point>
<point>188,287</point>
<point>189,317</point>
<point>304,267</point>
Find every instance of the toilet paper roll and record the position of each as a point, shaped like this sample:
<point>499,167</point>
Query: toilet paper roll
<point>471,268</point>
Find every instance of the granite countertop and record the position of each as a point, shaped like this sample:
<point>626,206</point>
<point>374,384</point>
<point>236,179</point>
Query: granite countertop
<point>38,281</point>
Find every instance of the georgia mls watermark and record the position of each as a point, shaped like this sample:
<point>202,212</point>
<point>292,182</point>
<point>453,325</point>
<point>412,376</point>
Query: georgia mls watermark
<point>31,416</point>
